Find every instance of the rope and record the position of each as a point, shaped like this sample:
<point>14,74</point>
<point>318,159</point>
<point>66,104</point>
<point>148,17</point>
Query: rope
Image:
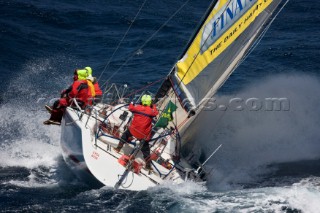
<point>149,85</point>
<point>114,52</point>
<point>138,90</point>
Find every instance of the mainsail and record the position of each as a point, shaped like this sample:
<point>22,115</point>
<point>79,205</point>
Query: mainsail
<point>225,36</point>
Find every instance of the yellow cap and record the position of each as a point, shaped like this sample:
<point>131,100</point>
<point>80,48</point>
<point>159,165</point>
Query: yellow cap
<point>89,70</point>
<point>82,74</point>
<point>146,100</point>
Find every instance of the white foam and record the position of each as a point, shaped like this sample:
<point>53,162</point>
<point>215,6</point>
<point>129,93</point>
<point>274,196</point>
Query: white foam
<point>306,195</point>
<point>303,196</point>
<point>185,188</point>
<point>25,141</point>
<point>33,181</point>
<point>29,143</point>
<point>254,139</point>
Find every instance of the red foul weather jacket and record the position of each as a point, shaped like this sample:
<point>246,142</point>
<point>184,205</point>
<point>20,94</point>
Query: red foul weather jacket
<point>79,90</point>
<point>97,89</point>
<point>142,121</point>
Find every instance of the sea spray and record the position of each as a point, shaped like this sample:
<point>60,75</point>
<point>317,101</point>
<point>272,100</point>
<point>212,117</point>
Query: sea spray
<point>253,139</point>
<point>25,142</point>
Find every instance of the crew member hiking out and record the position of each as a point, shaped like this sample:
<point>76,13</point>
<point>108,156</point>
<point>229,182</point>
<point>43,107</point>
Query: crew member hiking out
<point>141,126</point>
<point>78,90</point>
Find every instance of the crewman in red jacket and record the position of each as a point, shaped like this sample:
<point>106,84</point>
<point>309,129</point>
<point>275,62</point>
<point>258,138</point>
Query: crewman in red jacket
<point>98,91</point>
<point>95,93</point>
<point>91,90</point>
<point>141,126</point>
<point>78,90</point>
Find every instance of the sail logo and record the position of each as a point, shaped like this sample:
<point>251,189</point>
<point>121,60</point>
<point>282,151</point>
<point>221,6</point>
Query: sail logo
<point>224,25</point>
<point>223,20</point>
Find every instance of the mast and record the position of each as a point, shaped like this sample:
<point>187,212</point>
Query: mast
<point>166,85</point>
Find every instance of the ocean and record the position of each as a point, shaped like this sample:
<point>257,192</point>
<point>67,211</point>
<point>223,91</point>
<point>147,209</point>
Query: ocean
<point>269,161</point>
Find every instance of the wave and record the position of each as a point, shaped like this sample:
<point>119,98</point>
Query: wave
<point>25,143</point>
<point>301,196</point>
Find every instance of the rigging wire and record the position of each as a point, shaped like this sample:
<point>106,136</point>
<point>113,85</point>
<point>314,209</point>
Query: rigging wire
<point>173,92</point>
<point>195,57</point>
<point>186,48</point>
<point>243,59</point>
<point>114,52</point>
<point>143,88</point>
<point>148,40</point>
<point>250,49</point>
<point>260,37</point>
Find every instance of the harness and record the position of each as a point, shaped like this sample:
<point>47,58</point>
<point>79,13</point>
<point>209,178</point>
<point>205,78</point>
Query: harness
<point>144,114</point>
<point>82,86</point>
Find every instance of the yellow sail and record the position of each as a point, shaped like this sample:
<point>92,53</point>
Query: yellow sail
<point>225,36</point>
<point>226,22</point>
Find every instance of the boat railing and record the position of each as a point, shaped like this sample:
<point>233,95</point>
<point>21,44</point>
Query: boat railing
<point>107,129</point>
<point>113,94</point>
<point>81,111</point>
<point>77,109</point>
<point>158,143</point>
<point>158,146</point>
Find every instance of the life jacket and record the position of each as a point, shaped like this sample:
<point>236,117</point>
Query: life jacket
<point>79,90</point>
<point>142,121</point>
<point>91,89</point>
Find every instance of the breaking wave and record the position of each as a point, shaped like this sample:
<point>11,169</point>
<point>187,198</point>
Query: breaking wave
<point>26,144</point>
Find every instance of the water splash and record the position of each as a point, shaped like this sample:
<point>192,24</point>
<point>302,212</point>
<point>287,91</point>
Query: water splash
<point>301,196</point>
<point>252,139</point>
<point>25,142</point>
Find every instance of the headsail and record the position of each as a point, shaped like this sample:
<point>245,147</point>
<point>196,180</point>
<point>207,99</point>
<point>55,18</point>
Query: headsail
<point>226,34</point>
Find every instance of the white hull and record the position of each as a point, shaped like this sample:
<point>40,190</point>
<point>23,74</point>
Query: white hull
<point>95,162</point>
<point>72,150</point>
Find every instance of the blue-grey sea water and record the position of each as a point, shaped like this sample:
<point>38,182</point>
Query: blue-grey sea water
<point>269,161</point>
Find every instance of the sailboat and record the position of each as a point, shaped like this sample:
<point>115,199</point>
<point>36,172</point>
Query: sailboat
<point>226,35</point>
